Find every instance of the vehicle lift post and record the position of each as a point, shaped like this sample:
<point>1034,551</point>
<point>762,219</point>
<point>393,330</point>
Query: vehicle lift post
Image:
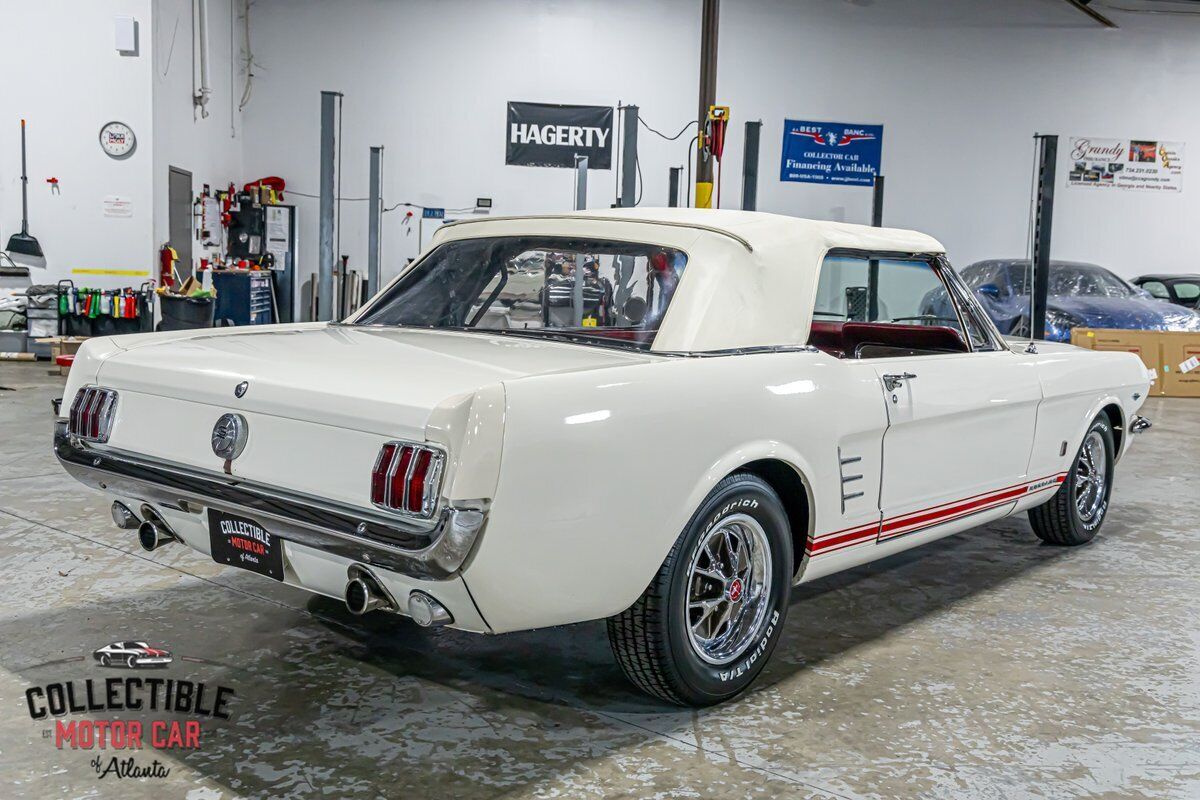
<point>628,199</point>
<point>750,166</point>
<point>581,168</point>
<point>709,26</point>
<point>873,264</point>
<point>1043,224</point>
<point>375,209</point>
<point>325,264</point>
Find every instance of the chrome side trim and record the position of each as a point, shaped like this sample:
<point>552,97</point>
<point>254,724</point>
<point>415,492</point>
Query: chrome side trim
<point>432,550</point>
<point>843,462</point>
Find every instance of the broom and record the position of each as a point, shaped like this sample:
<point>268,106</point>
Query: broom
<point>22,242</point>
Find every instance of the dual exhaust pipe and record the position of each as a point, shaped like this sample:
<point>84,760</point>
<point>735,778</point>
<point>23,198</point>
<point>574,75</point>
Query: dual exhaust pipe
<point>364,593</point>
<point>152,532</point>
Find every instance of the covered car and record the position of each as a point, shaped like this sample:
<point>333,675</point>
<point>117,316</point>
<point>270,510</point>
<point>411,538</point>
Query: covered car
<point>1081,294</point>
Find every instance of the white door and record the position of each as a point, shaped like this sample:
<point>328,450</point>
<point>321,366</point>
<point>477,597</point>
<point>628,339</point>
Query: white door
<point>960,430</point>
<point>961,406</point>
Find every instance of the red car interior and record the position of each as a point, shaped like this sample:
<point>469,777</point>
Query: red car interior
<point>876,339</point>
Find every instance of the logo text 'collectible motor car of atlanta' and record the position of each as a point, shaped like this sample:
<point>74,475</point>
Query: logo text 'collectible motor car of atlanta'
<point>727,404</point>
<point>116,720</point>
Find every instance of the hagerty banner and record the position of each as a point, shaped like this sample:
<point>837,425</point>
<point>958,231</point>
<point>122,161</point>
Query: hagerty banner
<point>550,135</point>
<point>1143,164</point>
<point>831,152</point>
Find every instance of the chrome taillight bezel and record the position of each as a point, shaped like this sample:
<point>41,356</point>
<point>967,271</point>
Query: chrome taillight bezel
<point>92,414</point>
<point>393,452</point>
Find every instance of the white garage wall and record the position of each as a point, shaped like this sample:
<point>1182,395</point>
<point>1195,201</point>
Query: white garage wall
<point>61,72</point>
<point>429,82</point>
<point>208,147</point>
<point>961,86</point>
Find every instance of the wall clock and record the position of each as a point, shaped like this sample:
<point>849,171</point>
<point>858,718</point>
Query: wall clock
<point>117,139</point>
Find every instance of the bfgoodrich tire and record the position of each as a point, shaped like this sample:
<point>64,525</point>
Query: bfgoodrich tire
<point>711,617</point>
<point>1077,510</point>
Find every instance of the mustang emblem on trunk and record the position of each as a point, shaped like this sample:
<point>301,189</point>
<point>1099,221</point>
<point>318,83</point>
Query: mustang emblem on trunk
<point>229,436</point>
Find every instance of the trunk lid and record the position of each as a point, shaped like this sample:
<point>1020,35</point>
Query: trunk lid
<point>378,380</point>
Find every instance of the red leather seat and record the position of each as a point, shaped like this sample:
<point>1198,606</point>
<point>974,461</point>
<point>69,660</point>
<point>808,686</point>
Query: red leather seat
<point>845,339</point>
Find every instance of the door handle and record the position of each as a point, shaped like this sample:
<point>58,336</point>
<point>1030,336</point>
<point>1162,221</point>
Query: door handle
<point>894,381</point>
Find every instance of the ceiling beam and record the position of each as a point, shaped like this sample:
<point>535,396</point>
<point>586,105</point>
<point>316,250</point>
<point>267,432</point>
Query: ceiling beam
<point>1084,6</point>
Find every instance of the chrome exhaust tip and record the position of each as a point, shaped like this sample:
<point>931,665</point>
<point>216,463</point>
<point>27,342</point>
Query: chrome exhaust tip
<point>427,612</point>
<point>362,598</point>
<point>153,535</point>
<point>1140,425</point>
<point>123,517</point>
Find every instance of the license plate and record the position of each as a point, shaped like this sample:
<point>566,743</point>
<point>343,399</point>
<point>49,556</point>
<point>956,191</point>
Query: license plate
<point>242,542</point>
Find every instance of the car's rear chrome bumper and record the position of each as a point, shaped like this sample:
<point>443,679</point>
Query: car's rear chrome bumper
<point>433,551</point>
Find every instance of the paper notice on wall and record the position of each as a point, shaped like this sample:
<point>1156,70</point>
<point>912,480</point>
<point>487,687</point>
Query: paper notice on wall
<point>1189,365</point>
<point>116,206</point>
<point>1140,164</point>
<point>279,235</point>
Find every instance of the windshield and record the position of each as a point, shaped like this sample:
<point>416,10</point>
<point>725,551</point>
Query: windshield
<point>1077,280</point>
<point>527,286</point>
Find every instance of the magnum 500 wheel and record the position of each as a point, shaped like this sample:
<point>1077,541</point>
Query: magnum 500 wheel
<point>1077,510</point>
<point>710,618</point>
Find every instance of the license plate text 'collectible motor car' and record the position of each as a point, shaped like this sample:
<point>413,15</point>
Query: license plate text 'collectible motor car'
<point>663,418</point>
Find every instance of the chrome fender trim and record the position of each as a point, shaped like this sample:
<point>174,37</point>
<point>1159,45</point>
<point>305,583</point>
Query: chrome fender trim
<point>435,550</point>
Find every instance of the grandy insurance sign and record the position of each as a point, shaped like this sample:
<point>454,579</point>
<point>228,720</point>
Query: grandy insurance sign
<point>551,135</point>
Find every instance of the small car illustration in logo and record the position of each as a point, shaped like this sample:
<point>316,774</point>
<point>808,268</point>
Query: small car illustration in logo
<point>134,655</point>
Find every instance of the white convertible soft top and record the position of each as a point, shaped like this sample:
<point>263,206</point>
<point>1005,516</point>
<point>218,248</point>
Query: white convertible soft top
<point>751,276</point>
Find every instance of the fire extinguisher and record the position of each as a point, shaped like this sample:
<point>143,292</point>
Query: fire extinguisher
<point>167,257</point>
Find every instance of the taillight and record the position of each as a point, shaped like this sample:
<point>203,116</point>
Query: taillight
<point>92,414</point>
<point>406,478</point>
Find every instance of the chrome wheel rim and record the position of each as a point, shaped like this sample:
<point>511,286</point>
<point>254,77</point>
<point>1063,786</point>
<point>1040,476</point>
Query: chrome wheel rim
<point>729,589</point>
<point>1091,478</point>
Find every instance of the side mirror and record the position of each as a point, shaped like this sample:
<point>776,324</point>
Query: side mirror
<point>989,290</point>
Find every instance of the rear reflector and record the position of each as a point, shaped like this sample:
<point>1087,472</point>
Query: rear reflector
<point>406,478</point>
<point>92,414</point>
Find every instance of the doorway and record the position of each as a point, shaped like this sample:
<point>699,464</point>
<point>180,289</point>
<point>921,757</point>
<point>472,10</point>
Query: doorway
<point>179,218</point>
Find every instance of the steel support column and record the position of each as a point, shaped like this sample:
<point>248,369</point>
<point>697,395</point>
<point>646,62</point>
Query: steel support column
<point>629,155</point>
<point>750,166</point>
<point>325,254</point>
<point>375,209</point>
<point>1043,225</point>
<point>708,96</point>
<point>673,186</point>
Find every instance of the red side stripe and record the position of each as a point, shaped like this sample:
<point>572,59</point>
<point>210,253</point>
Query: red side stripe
<point>927,518</point>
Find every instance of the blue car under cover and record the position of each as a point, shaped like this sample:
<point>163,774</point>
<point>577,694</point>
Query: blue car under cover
<point>1080,295</point>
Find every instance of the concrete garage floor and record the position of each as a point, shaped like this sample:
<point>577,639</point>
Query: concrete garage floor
<point>984,665</point>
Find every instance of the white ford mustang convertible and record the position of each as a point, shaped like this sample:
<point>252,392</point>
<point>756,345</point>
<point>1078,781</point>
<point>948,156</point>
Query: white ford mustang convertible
<point>665,418</point>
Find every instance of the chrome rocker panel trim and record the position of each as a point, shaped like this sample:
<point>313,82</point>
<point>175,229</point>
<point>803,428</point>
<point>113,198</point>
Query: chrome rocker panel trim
<point>433,551</point>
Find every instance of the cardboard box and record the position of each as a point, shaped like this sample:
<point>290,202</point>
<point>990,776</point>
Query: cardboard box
<point>1180,374</point>
<point>63,345</point>
<point>1165,352</point>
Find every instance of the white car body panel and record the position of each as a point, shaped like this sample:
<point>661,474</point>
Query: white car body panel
<point>590,460</point>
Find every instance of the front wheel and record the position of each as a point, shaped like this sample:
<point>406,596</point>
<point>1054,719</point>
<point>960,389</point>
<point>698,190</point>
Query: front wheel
<point>1077,510</point>
<point>710,618</point>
